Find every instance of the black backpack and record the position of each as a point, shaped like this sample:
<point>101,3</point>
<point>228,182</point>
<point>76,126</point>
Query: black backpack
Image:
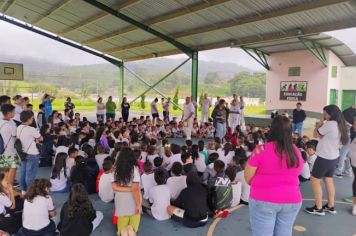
<point>18,147</point>
<point>2,143</point>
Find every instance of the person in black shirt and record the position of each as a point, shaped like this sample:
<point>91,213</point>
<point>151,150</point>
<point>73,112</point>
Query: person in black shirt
<point>350,114</point>
<point>190,208</point>
<point>78,216</point>
<point>125,109</point>
<point>298,119</point>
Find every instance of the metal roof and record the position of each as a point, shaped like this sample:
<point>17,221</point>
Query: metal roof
<point>293,44</point>
<point>139,29</point>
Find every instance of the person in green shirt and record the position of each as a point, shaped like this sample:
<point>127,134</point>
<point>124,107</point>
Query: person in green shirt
<point>110,109</point>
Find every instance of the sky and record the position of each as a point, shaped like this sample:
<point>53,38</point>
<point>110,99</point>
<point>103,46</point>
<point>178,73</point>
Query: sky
<point>15,41</point>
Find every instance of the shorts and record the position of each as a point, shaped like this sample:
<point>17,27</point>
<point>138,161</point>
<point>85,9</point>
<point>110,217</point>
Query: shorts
<point>9,161</point>
<point>324,167</point>
<point>155,115</point>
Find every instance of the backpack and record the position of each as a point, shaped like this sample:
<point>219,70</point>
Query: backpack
<point>222,193</point>
<point>18,147</point>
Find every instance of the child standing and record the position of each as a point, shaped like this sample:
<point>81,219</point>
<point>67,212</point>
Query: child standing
<point>38,209</point>
<point>127,187</point>
<point>41,117</point>
<point>78,216</point>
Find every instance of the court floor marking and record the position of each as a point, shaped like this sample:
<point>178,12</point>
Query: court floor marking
<point>217,220</point>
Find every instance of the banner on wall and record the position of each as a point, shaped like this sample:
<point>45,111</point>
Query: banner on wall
<point>293,90</point>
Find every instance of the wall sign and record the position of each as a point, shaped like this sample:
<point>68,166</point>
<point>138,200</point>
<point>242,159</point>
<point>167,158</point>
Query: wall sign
<point>293,90</point>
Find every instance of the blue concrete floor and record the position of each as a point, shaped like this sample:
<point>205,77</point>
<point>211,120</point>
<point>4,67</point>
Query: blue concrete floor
<point>342,224</point>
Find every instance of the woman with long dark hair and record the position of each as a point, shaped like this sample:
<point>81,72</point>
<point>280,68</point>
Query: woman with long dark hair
<point>78,216</point>
<point>272,172</point>
<point>127,187</point>
<point>60,174</point>
<point>332,132</point>
<point>125,109</point>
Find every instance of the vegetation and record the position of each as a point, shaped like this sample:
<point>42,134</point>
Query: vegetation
<point>176,99</point>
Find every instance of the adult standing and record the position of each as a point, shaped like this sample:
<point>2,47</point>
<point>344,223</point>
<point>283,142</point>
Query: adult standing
<point>154,110</point>
<point>188,118</point>
<point>352,156</point>
<point>100,110</point>
<point>220,117</point>
<point>242,111</point>
<point>344,167</point>
<point>332,131</point>
<point>9,159</point>
<point>217,101</point>
<point>110,109</point>
<point>235,115</point>
<point>272,172</point>
<point>166,106</point>
<point>125,109</point>
<point>47,102</point>
<point>70,106</point>
<point>205,104</point>
<point>298,119</point>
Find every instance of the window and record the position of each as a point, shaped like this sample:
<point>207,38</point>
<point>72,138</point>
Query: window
<point>294,71</point>
<point>333,71</point>
<point>333,99</point>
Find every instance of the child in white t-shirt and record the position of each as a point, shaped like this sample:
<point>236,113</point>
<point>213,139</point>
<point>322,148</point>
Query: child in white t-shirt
<point>177,182</point>
<point>106,194</point>
<point>147,179</point>
<point>311,155</point>
<point>38,210</point>
<point>160,196</point>
<point>60,174</point>
<point>100,156</point>
<point>245,188</point>
<point>305,174</point>
<point>231,172</point>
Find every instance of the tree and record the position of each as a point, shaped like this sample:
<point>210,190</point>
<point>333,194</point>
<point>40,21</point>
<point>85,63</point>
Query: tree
<point>201,97</point>
<point>175,98</point>
<point>143,103</point>
<point>211,77</point>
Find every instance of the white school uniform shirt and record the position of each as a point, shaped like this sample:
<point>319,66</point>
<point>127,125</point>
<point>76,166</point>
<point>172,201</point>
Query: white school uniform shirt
<point>205,105</point>
<point>172,159</point>
<point>151,158</point>
<point>160,197</point>
<point>106,193</point>
<point>226,159</point>
<point>70,162</point>
<point>154,107</point>
<point>147,181</point>
<point>200,163</point>
<point>4,202</point>
<point>100,159</point>
<point>27,135</point>
<point>329,143</point>
<point>305,171</point>
<point>8,134</point>
<point>176,184</point>
<point>188,108</point>
<point>60,183</point>
<point>18,110</point>
<point>245,188</point>
<point>35,213</point>
<point>236,194</point>
<point>311,161</point>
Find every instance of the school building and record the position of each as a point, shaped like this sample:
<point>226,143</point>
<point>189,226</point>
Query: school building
<point>316,70</point>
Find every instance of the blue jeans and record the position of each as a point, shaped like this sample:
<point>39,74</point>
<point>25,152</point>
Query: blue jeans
<point>298,127</point>
<point>220,130</point>
<point>28,171</point>
<point>270,219</point>
<point>344,165</point>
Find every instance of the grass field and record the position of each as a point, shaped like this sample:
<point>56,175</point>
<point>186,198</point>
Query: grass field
<point>89,105</point>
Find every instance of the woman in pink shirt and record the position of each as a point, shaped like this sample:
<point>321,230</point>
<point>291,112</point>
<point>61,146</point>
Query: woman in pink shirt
<point>272,172</point>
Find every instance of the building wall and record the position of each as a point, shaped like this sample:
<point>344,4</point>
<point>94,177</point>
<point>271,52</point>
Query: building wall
<point>334,83</point>
<point>348,77</point>
<point>312,71</point>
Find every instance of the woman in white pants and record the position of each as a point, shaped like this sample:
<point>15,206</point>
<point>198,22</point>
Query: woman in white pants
<point>234,115</point>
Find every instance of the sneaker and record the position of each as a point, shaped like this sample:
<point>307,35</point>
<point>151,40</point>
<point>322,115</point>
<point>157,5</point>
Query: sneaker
<point>354,210</point>
<point>329,209</point>
<point>340,176</point>
<point>348,199</point>
<point>221,213</point>
<point>315,211</point>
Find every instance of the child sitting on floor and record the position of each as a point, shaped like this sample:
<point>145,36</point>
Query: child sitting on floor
<point>105,192</point>
<point>231,172</point>
<point>60,174</point>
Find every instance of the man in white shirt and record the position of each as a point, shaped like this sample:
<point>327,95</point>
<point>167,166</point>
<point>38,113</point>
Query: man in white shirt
<point>9,158</point>
<point>154,110</point>
<point>234,115</point>
<point>242,114</point>
<point>205,106</point>
<point>188,117</point>
<point>18,103</point>
<point>28,137</point>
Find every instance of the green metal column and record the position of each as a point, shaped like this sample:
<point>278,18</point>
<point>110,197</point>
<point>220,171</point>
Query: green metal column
<point>194,85</point>
<point>122,82</point>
